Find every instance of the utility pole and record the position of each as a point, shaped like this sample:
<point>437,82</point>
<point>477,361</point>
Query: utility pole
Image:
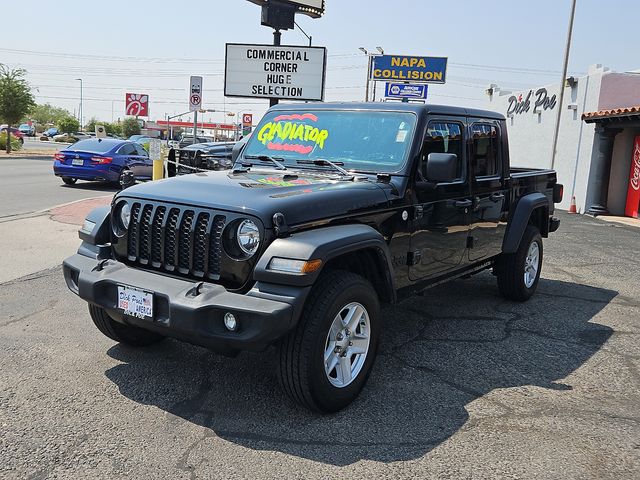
<point>562,82</point>
<point>277,36</point>
<point>80,113</point>
<point>368,54</point>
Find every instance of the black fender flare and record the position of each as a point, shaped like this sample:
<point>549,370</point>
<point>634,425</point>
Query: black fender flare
<point>96,241</point>
<point>324,244</point>
<point>520,219</point>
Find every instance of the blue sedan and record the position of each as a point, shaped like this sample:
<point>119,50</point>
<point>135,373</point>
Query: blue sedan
<point>104,159</point>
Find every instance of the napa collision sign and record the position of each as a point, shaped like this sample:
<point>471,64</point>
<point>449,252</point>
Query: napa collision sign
<point>409,69</point>
<point>268,71</point>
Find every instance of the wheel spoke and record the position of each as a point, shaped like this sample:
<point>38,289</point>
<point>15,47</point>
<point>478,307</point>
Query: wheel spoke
<point>353,318</point>
<point>344,370</point>
<point>331,346</point>
<point>360,345</point>
<point>331,363</point>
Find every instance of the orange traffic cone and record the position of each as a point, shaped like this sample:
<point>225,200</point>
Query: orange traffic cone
<point>572,207</point>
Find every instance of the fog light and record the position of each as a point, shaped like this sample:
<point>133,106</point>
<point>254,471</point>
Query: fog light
<point>230,321</point>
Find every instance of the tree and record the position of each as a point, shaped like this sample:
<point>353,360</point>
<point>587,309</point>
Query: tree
<point>91,125</point>
<point>16,99</point>
<point>47,114</point>
<point>113,128</point>
<point>130,126</point>
<point>68,125</point>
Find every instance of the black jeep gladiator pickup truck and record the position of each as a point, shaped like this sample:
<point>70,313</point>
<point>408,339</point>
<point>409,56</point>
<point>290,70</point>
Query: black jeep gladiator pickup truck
<point>329,211</point>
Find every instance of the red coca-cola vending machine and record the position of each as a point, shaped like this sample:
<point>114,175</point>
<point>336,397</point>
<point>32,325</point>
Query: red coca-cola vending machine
<point>633,193</point>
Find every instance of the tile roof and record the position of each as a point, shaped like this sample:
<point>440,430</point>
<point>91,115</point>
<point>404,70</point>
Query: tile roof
<point>612,113</point>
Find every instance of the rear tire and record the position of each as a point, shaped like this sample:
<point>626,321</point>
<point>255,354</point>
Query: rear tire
<point>518,273</point>
<point>69,180</point>
<point>133,336</point>
<point>326,360</point>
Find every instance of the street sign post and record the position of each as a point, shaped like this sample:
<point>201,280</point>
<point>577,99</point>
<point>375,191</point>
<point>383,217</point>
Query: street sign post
<point>195,101</point>
<point>406,90</point>
<point>409,69</point>
<point>280,72</point>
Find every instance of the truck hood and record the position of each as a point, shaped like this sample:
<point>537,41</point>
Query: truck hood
<point>301,196</point>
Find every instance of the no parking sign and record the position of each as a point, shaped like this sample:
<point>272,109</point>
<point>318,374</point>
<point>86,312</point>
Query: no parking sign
<point>195,94</point>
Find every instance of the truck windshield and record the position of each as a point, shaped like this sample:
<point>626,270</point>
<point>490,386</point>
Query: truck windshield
<point>365,141</point>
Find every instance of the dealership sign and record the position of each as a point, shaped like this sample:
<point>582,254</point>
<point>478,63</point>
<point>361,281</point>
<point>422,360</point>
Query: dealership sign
<point>137,104</point>
<point>407,68</point>
<point>268,71</point>
<point>405,90</point>
<point>520,104</point>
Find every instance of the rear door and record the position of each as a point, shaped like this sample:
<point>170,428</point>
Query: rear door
<point>131,158</point>
<point>441,214</point>
<point>489,188</point>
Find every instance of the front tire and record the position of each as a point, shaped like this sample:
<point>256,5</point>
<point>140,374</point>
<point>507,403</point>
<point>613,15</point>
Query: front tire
<point>326,360</point>
<point>133,336</point>
<point>518,273</point>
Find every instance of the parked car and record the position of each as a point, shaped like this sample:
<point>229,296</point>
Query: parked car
<point>28,130</point>
<point>50,132</point>
<point>72,137</point>
<point>186,140</point>
<point>15,132</point>
<point>103,159</point>
<point>330,211</point>
<point>205,156</point>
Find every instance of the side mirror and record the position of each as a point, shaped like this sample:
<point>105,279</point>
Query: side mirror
<point>442,167</point>
<point>237,148</point>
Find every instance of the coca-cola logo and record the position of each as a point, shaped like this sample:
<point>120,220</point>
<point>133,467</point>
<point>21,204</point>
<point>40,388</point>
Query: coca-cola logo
<point>635,168</point>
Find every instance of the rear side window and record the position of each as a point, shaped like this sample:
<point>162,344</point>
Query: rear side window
<point>443,137</point>
<point>140,150</point>
<point>485,157</point>
<point>127,149</point>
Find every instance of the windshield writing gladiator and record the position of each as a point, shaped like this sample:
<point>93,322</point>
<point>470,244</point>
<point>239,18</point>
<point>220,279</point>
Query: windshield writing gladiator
<point>361,140</point>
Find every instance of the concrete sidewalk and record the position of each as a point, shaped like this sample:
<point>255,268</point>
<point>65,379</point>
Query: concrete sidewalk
<point>42,240</point>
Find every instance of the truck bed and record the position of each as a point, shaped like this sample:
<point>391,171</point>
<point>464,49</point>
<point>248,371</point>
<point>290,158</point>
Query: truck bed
<point>530,180</point>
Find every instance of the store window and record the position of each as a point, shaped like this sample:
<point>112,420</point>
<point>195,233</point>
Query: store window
<point>443,137</point>
<point>485,158</point>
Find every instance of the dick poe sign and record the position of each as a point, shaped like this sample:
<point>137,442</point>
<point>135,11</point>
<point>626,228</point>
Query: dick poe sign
<point>409,68</point>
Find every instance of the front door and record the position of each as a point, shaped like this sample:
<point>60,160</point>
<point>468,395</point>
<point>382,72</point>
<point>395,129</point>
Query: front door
<point>441,214</point>
<point>489,214</point>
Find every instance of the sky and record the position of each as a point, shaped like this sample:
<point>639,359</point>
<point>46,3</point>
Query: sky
<point>153,47</point>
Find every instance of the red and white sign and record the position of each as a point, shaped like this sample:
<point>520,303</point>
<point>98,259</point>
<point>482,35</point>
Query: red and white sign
<point>633,193</point>
<point>137,104</point>
<point>247,119</point>
<point>195,93</point>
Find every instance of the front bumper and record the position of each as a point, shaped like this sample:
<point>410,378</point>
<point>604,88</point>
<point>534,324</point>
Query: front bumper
<point>264,314</point>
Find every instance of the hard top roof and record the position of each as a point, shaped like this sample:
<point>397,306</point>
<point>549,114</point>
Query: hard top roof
<point>392,106</point>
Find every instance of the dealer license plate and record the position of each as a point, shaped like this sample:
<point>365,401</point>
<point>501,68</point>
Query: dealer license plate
<point>135,302</point>
<point>77,161</point>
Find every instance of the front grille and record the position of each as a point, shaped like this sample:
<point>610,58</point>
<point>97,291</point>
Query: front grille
<point>185,241</point>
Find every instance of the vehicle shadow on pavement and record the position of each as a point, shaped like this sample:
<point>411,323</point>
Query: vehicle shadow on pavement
<point>93,186</point>
<point>439,352</point>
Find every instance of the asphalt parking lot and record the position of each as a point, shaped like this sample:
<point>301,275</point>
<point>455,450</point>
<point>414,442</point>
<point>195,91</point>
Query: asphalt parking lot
<point>467,385</point>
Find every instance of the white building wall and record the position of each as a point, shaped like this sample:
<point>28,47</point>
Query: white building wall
<point>531,134</point>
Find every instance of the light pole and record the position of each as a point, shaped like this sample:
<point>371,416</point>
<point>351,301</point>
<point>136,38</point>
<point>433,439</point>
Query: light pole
<point>381,50</point>
<point>80,113</point>
<point>366,91</point>
<point>564,77</point>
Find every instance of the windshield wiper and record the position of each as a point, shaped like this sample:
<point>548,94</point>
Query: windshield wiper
<point>323,162</point>
<point>267,158</point>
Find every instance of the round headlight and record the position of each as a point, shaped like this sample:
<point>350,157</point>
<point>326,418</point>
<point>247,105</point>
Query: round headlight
<point>124,216</point>
<point>248,237</point>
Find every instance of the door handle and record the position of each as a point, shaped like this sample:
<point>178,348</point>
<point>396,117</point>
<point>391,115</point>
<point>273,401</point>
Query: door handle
<point>463,203</point>
<point>496,197</point>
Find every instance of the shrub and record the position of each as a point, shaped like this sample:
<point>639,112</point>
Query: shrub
<point>130,126</point>
<point>68,125</point>
<point>15,143</point>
